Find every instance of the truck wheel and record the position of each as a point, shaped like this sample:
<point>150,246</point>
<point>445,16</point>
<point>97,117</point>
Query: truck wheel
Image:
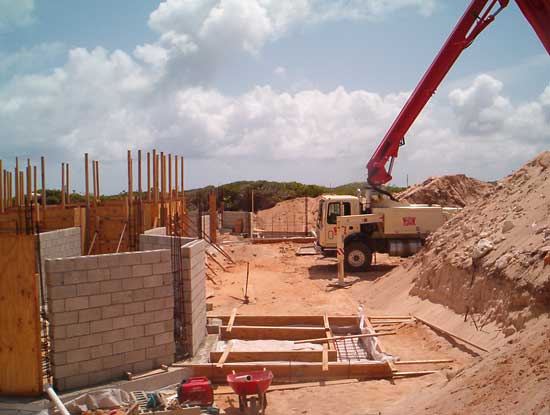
<point>358,256</point>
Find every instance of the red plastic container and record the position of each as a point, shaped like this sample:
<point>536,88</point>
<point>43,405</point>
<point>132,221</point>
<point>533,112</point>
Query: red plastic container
<point>196,391</point>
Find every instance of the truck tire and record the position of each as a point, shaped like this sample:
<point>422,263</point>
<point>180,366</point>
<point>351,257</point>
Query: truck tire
<point>357,256</point>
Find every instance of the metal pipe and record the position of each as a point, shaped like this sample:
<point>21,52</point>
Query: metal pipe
<point>55,399</point>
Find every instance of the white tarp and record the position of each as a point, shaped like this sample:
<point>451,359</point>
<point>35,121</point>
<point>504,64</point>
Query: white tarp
<point>371,343</point>
<point>101,399</point>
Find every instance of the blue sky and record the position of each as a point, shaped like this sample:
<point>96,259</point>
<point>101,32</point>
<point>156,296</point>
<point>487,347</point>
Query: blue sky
<point>255,89</point>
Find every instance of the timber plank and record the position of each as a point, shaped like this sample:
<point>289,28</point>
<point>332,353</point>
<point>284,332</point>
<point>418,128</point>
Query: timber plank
<point>270,333</point>
<point>275,356</point>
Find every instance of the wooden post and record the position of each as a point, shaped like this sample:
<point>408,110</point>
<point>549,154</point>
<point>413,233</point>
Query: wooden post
<point>29,183</point>
<point>140,189</point>
<point>87,178</point>
<point>43,173</point>
<point>62,184</point>
<point>176,177</point>
<point>97,180</point>
<point>21,185</point>
<point>35,196</point>
<point>94,184</point>
<point>170,177</point>
<point>1,188</point>
<point>17,188</point>
<point>130,178</point>
<point>148,176</point>
<point>183,207</point>
<point>162,177</point>
<point>68,194</point>
<point>213,217</point>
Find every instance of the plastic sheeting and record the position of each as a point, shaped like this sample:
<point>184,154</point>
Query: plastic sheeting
<point>265,346</point>
<point>102,399</point>
<point>371,343</point>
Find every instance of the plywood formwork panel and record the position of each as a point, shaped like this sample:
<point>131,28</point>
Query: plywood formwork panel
<point>288,320</point>
<point>275,356</point>
<point>20,349</point>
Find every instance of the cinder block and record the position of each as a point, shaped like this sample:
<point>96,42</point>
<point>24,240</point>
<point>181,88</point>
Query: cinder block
<point>143,366</point>
<point>113,361</point>
<point>101,350</point>
<point>75,277</point>
<point>78,355</point>
<point>162,268</point>
<point>123,346</point>
<point>76,303</point>
<point>68,317</point>
<point>142,270</point>
<point>121,272</point>
<point>154,328</point>
<point>101,325</point>
<point>132,283</point>
<point>168,279</point>
<point>112,336</point>
<point>143,318</point>
<point>164,338</point>
<point>152,281</point>
<point>155,304</point>
<point>55,278</point>
<point>133,332</point>
<point>89,315</point>
<point>78,381</point>
<point>89,341</point>
<point>58,332</point>
<point>122,297</point>
<point>100,376</point>
<point>165,256</point>
<point>142,294</point>
<point>134,356</point>
<point>56,306</point>
<point>111,286</point>
<point>123,322</point>
<point>150,257</point>
<point>93,365</point>
<point>143,342</point>
<point>54,265</point>
<point>108,261</point>
<point>133,308</point>
<point>90,288</point>
<point>62,291</point>
<point>164,360</point>
<point>163,291</point>
<point>63,371</point>
<point>163,315</point>
<point>75,330</point>
<point>112,311</point>
<point>129,258</point>
<point>59,359</point>
<point>155,351</point>
<point>100,274</point>
<point>100,300</point>
<point>193,248</point>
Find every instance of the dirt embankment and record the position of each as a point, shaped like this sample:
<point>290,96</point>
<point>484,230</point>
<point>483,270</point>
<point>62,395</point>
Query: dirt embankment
<point>289,216</point>
<point>493,258</point>
<point>453,191</point>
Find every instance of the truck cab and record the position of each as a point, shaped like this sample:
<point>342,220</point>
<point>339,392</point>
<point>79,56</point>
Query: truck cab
<point>381,225</point>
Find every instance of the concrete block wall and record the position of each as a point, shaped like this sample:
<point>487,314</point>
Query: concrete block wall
<point>231,218</point>
<point>194,280</point>
<point>109,314</point>
<point>61,243</point>
<point>193,260</point>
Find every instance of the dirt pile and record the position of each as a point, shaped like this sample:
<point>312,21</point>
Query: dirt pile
<point>453,191</point>
<point>493,257</point>
<point>289,216</point>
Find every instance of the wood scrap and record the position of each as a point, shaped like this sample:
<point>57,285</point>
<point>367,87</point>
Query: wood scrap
<point>231,321</point>
<point>226,352</point>
<point>436,328</point>
<point>325,357</point>
<point>417,373</point>
<point>414,362</point>
<point>215,260</point>
<point>336,338</point>
<point>227,390</point>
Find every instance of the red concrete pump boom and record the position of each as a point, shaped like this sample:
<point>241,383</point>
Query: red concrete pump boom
<point>477,17</point>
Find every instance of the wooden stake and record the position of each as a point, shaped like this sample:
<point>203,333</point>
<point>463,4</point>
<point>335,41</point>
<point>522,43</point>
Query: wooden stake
<point>35,197</point>
<point>170,177</point>
<point>176,177</point>
<point>68,194</point>
<point>148,176</point>
<point>21,189</point>
<point>162,177</point>
<point>436,328</point>
<point>43,173</point>
<point>121,236</point>
<point>226,352</point>
<point>325,358</point>
<point>231,320</point>
<point>130,178</point>
<point>17,187</point>
<point>336,338</point>
<point>155,177</point>
<point>29,183</point>
<point>140,189</point>
<point>87,178</point>
<point>62,184</point>
<point>419,362</point>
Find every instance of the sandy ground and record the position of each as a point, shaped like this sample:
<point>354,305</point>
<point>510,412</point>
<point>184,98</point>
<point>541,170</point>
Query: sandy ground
<point>282,283</point>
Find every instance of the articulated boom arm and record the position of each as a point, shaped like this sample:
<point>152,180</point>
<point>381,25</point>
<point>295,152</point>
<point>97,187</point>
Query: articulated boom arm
<point>476,18</point>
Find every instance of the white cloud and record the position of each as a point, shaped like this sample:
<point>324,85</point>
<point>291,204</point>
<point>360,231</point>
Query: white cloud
<point>280,71</point>
<point>32,59</point>
<point>15,13</point>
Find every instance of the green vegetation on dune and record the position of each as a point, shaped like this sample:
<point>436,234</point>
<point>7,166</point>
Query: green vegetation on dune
<point>238,195</point>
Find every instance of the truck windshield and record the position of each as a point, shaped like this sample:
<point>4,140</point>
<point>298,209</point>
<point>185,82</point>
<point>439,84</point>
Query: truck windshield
<point>333,213</point>
<point>320,214</point>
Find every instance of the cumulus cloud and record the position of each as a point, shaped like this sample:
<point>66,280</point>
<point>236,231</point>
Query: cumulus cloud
<point>280,71</point>
<point>33,59</point>
<point>16,14</point>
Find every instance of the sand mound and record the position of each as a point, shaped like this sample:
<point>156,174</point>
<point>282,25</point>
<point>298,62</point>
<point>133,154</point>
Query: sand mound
<point>289,215</point>
<point>454,191</point>
<point>493,258</point>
